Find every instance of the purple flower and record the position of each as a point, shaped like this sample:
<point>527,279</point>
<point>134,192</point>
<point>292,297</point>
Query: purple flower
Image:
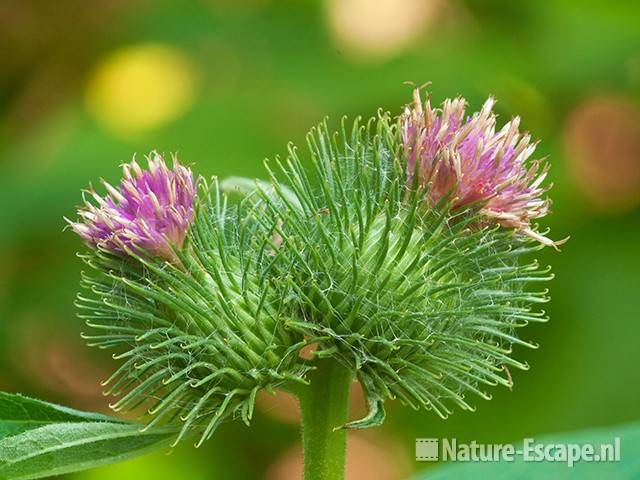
<point>151,209</point>
<point>466,159</point>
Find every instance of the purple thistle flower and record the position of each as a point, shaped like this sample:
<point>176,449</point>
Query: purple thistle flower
<point>151,209</point>
<point>466,159</point>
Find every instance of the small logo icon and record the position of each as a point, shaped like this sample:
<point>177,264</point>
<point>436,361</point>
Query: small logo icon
<point>426,449</point>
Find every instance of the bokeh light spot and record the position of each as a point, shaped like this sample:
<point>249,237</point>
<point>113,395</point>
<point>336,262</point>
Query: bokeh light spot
<point>382,28</point>
<point>141,88</point>
<point>602,143</point>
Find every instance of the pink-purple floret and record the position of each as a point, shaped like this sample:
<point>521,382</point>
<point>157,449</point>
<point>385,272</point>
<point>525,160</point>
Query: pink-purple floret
<point>150,210</point>
<point>457,158</point>
<point>464,160</point>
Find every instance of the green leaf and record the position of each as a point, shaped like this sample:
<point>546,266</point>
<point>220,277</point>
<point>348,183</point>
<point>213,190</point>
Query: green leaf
<point>19,414</point>
<point>40,439</point>
<point>627,467</point>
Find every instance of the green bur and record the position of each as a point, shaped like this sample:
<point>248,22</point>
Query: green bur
<point>419,303</point>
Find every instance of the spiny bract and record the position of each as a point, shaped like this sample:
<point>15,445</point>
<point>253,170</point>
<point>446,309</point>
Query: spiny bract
<point>420,300</point>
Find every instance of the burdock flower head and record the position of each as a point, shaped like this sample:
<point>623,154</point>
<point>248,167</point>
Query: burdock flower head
<point>466,160</point>
<point>385,269</point>
<point>151,209</point>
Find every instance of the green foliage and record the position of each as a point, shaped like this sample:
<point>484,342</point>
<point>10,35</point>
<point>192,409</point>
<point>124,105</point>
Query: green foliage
<point>626,468</point>
<point>39,439</point>
<point>420,303</point>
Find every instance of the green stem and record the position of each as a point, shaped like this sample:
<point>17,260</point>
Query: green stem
<point>324,406</point>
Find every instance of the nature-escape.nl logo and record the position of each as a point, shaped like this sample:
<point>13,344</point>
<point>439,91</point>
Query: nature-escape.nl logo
<point>430,449</point>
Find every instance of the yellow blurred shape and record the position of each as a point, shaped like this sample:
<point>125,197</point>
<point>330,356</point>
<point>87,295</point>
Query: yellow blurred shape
<point>141,88</point>
<point>380,28</point>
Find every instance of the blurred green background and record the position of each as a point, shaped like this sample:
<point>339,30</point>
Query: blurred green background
<point>226,83</point>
